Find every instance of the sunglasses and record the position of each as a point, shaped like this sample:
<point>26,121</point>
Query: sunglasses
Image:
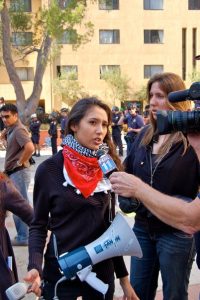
<point>6,116</point>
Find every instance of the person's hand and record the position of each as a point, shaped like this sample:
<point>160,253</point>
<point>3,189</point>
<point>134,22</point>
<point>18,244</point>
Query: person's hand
<point>33,278</point>
<point>3,134</point>
<point>123,184</point>
<point>129,293</point>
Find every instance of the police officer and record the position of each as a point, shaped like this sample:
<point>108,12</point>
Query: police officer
<point>63,121</point>
<point>135,122</point>
<point>116,129</point>
<point>53,132</point>
<point>35,134</point>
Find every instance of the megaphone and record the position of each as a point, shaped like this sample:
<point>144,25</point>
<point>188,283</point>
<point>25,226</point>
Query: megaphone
<point>118,240</point>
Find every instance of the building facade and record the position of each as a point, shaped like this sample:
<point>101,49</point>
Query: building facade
<point>137,37</point>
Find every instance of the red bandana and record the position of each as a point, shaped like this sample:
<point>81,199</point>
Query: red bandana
<point>83,171</point>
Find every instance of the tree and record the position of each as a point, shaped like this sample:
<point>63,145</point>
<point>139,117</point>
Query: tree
<point>118,84</point>
<point>141,95</point>
<point>68,88</point>
<point>194,76</point>
<point>48,26</point>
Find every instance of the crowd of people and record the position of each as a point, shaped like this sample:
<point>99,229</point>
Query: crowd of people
<point>75,202</point>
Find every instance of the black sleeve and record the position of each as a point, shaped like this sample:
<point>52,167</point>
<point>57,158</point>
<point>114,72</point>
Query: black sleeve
<point>39,226</point>
<point>14,202</point>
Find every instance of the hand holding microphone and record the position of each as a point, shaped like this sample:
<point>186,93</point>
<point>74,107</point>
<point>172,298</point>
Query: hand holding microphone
<point>108,166</point>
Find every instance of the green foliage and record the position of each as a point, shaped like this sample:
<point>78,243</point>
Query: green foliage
<point>141,95</point>
<point>118,84</point>
<point>20,21</point>
<point>1,4</point>
<point>68,88</point>
<point>51,21</point>
<point>194,76</point>
<point>55,21</point>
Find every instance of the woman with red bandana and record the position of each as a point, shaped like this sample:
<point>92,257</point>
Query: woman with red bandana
<point>74,201</point>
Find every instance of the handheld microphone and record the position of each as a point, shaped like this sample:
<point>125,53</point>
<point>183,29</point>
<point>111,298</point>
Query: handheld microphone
<point>106,162</point>
<point>108,166</point>
<point>17,291</point>
<point>193,93</point>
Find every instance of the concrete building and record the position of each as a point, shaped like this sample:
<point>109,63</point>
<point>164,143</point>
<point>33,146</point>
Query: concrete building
<point>138,37</point>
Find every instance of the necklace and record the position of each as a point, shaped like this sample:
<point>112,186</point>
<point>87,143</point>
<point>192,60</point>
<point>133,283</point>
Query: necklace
<point>153,170</point>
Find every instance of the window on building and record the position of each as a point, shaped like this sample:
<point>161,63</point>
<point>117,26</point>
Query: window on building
<point>109,36</point>
<point>194,4</point>
<point>63,3</point>
<point>153,4</point>
<point>22,38</point>
<point>108,68</point>
<point>108,4</point>
<point>25,74</point>
<point>153,36</point>
<point>20,5</point>
<point>150,70</point>
<point>69,37</point>
<point>69,71</point>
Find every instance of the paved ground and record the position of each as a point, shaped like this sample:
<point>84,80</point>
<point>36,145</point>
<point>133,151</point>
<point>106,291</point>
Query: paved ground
<point>22,256</point>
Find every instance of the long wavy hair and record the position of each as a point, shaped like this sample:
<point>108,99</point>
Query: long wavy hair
<point>78,112</point>
<point>168,82</point>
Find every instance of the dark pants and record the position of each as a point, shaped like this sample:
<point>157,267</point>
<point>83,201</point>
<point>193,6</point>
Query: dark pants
<point>173,254</point>
<point>129,141</point>
<point>72,289</point>
<point>54,145</point>
<point>117,140</point>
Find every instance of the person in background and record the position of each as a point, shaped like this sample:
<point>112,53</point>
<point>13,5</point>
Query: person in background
<point>168,164</point>
<point>63,121</point>
<point>19,149</point>
<point>116,129</point>
<point>146,114</point>
<point>53,133</point>
<point>134,122</point>
<point>34,128</point>
<point>2,102</point>
<point>74,201</point>
<point>10,200</point>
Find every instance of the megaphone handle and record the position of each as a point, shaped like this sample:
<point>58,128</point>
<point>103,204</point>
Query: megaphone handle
<point>96,283</point>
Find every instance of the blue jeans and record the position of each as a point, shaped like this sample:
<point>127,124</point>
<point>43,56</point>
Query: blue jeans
<point>173,254</point>
<point>21,180</point>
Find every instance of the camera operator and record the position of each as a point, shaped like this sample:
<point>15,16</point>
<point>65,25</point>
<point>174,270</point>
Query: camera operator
<point>171,210</point>
<point>166,163</point>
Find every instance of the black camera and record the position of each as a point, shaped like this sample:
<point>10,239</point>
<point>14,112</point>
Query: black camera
<point>185,121</point>
<point>171,121</point>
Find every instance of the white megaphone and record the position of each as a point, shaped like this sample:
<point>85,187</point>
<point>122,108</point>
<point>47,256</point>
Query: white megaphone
<point>118,240</point>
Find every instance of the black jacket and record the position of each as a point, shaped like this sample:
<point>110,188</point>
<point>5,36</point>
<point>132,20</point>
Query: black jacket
<point>75,221</point>
<point>175,175</point>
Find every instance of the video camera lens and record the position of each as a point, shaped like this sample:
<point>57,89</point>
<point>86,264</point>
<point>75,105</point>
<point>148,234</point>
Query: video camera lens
<point>172,121</point>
